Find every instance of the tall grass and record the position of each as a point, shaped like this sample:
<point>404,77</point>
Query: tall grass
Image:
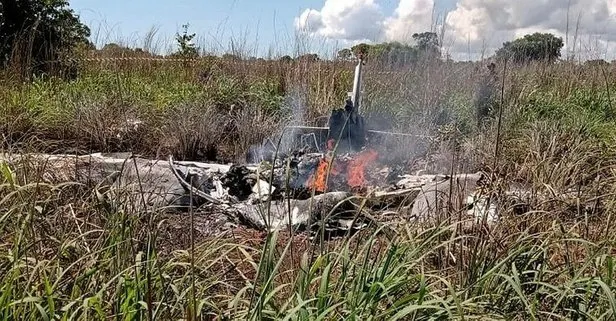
<point>72,253</point>
<point>76,252</point>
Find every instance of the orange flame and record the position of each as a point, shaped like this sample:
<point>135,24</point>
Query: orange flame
<point>353,171</point>
<point>357,167</point>
<point>318,180</point>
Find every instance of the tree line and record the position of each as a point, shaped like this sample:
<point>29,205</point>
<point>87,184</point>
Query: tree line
<point>42,33</point>
<point>424,46</point>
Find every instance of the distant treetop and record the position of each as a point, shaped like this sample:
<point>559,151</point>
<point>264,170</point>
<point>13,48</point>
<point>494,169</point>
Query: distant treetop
<point>425,45</point>
<point>532,47</point>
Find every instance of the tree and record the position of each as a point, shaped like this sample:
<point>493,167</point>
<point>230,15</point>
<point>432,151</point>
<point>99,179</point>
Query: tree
<point>395,54</point>
<point>597,63</point>
<point>41,33</point>
<point>345,54</point>
<point>308,57</point>
<point>532,47</point>
<point>231,57</point>
<point>115,50</point>
<point>391,53</point>
<point>361,49</point>
<point>186,47</point>
<point>428,44</point>
<point>286,59</point>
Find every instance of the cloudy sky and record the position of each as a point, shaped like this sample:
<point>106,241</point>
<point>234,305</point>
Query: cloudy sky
<point>471,28</point>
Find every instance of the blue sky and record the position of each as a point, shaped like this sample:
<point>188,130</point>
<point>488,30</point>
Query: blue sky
<point>256,24</point>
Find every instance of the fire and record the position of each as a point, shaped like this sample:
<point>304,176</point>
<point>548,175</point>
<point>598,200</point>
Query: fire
<point>353,171</point>
<point>356,169</point>
<point>318,180</point>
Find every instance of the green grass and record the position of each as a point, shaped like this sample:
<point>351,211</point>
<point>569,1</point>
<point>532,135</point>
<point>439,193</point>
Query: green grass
<point>73,252</point>
<point>99,262</point>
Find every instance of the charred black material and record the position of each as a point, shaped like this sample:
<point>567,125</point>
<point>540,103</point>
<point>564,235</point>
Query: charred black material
<point>347,128</point>
<point>239,181</point>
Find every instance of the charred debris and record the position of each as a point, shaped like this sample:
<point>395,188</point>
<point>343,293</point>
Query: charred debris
<point>340,179</point>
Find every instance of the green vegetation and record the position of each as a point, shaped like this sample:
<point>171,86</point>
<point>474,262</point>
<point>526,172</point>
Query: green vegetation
<point>187,48</point>
<point>70,254</point>
<point>426,46</point>
<point>73,252</point>
<point>116,264</point>
<point>532,47</point>
<point>44,33</point>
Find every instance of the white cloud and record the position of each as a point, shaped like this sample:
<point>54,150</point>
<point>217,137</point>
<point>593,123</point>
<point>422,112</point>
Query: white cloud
<point>473,26</point>
<point>486,24</point>
<point>344,20</point>
<point>411,16</point>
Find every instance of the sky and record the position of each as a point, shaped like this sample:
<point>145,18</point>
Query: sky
<point>471,29</point>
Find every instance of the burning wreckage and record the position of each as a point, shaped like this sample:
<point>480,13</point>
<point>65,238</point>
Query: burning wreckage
<point>338,185</point>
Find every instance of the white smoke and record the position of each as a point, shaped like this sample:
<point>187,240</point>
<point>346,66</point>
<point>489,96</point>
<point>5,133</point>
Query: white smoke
<point>472,27</point>
<point>283,141</point>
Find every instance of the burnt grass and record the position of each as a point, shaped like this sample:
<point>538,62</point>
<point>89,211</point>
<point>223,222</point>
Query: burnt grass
<point>72,252</point>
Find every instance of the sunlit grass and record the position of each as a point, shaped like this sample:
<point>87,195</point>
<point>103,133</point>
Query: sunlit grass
<point>73,252</point>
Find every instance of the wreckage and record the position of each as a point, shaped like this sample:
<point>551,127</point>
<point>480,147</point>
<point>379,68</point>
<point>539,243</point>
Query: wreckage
<point>260,197</point>
<point>338,185</point>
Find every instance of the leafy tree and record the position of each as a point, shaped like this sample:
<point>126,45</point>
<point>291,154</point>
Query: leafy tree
<point>231,57</point>
<point>40,32</point>
<point>116,50</point>
<point>391,53</point>
<point>532,47</point>
<point>186,47</point>
<point>345,54</point>
<point>361,49</point>
<point>597,63</point>
<point>286,59</point>
<point>428,44</point>
<point>308,57</point>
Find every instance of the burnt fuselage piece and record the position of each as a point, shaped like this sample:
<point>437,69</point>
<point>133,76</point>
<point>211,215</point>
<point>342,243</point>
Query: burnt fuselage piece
<point>347,129</point>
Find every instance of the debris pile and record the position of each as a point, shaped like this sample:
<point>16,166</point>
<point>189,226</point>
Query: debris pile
<point>305,191</point>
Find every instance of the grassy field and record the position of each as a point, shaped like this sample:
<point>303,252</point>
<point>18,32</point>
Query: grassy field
<point>69,253</point>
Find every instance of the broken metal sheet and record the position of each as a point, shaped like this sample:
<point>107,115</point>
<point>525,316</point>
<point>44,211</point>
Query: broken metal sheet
<point>394,199</point>
<point>147,184</point>
<point>262,191</point>
<point>414,181</point>
<point>481,208</point>
<point>209,167</point>
<point>449,194</point>
<point>276,215</point>
<point>219,191</point>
